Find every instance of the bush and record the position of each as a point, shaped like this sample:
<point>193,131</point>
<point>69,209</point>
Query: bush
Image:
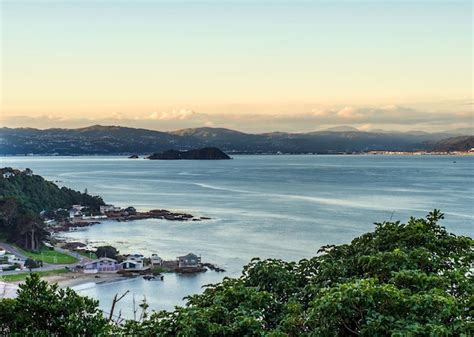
<point>411,279</point>
<point>44,310</point>
<point>106,251</point>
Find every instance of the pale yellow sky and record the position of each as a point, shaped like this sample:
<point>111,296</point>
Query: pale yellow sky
<point>69,63</point>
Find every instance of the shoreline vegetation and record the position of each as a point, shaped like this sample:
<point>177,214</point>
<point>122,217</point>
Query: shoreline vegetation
<point>33,210</point>
<point>402,279</point>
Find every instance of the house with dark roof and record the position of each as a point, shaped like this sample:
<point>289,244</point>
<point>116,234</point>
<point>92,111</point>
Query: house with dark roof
<point>189,261</point>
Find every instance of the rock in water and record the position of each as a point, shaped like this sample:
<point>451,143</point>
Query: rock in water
<point>207,153</point>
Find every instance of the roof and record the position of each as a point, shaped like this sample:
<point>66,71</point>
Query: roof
<point>130,261</point>
<point>190,255</point>
<point>102,259</point>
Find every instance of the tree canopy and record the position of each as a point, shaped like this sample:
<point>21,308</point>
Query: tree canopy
<point>42,309</point>
<point>24,195</point>
<point>412,279</point>
<point>38,194</point>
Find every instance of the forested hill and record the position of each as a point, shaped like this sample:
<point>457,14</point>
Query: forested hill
<point>23,196</point>
<point>461,143</point>
<point>37,194</point>
<point>109,140</point>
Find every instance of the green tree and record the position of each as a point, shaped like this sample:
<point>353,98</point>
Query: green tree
<point>412,279</point>
<point>106,251</point>
<point>31,264</point>
<point>42,309</point>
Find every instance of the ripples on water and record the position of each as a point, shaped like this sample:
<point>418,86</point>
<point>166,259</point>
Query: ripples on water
<point>268,206</point>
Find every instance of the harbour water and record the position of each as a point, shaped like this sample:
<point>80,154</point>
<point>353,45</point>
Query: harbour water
<point>267,206</point>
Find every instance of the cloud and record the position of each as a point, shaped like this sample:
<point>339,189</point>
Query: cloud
<point>181,114</point>
<point>350,113</point>
<point>393,117</point>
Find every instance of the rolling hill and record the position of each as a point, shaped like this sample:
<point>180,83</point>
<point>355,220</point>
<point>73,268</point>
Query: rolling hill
<point>114,140</point>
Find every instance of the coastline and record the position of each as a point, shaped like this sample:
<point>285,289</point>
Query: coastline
<point>162,214</point>
<point>70,280</point>
<point>8,289</point>
<point>263,154</point>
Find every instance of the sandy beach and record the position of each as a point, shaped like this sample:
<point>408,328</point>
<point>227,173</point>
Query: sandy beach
<point>76,279</point>
<point>8,289</point>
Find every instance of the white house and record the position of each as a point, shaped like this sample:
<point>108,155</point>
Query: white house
<point>7,175</point>
<point>135,257</point>
<point>156,260</point>
<point>109,208</point>
<point>75,211</point>
<point>131,265</point>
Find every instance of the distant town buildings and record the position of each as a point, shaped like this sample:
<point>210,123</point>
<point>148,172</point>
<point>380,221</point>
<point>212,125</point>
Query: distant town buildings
<point>8,172</point>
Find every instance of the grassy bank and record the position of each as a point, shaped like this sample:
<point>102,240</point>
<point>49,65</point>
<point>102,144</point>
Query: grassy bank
<point>90,255</point>
<point>22,276</point>
<point>49,256</point>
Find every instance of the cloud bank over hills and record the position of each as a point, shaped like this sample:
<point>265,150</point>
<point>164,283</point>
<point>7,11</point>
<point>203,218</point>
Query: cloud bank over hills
<point>388,117</point>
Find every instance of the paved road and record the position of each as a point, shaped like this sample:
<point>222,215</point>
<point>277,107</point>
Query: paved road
<point>46,266</point>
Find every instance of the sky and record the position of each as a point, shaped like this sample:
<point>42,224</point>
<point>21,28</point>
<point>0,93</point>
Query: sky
<point>254,66</point>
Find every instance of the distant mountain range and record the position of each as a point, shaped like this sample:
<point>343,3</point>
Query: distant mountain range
<point>108,140</point>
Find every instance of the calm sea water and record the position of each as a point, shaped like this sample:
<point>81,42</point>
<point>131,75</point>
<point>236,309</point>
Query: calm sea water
<point>268,206</point>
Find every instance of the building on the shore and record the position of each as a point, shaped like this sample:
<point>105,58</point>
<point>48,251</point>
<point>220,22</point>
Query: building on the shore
<point>155,260</point>
<point>109,208</point>
<point>93,217</point>
<point>104,264</point>
<point>189,261</point>
<point>75,212</point>
<point>7,175</point>
<point>135,257</point>
<point>131,265</point>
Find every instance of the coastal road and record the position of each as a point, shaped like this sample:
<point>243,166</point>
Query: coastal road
<point>12,249</point>
<point>46,266</point>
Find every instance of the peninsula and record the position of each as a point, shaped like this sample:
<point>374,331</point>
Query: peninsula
<point>207,153</point>
<point>32,208</point>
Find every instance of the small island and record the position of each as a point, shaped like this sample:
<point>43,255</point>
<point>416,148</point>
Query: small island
<point>207,153</point>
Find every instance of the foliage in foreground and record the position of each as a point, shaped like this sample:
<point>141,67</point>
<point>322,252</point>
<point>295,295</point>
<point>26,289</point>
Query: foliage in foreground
<point>411,279</point>
<point>45,310</point>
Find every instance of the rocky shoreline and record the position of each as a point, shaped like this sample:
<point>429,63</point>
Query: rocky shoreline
<point>151,214</point>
